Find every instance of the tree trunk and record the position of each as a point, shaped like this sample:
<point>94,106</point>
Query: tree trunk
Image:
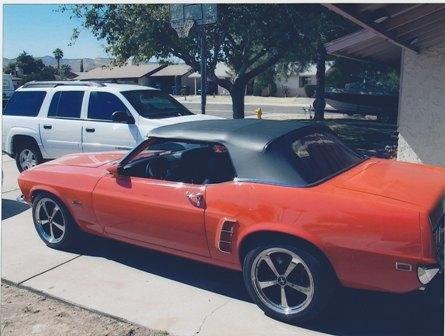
<point>237,93</point>
<point>320,103</point>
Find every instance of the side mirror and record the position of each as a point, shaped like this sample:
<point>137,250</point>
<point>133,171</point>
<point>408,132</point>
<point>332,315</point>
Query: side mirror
<point>122,117</point>
<point>115,170</point>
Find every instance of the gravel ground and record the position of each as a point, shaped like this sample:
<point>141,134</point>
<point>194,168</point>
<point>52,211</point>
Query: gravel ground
<point>26,313</point>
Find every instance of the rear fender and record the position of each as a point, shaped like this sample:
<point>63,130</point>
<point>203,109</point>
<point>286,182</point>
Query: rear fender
<point>290,230</point>
<point>24,131</point>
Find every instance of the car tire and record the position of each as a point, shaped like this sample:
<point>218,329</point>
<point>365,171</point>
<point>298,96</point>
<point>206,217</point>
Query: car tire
<point>53,222</point>
<point>27,156</point>
<point>308,287</point>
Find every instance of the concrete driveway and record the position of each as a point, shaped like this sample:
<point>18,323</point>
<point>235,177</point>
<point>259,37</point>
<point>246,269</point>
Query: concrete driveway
<point>180,296</point>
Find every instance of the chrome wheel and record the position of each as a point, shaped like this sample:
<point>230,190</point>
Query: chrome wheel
<point>282,280</point>
<point>27,159</point>
<point>50,221</point>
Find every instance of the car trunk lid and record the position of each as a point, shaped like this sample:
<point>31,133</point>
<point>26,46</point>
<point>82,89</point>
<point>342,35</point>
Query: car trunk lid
<point>417,184</point>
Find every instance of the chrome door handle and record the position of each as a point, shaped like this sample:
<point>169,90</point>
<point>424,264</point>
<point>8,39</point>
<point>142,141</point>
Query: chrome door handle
<point>197,199</point>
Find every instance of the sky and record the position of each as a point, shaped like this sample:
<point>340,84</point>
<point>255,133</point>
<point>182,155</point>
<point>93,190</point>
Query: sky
<point>39,29</point>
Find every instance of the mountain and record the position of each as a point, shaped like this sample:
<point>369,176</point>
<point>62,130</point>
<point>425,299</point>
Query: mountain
<point>88,63</point>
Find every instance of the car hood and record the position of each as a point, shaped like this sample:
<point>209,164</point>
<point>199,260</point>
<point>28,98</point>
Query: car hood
<point>92,160</point>
<point>417,184</point>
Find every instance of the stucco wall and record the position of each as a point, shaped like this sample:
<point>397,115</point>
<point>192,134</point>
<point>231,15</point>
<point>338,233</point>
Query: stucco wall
<point>421,122</point>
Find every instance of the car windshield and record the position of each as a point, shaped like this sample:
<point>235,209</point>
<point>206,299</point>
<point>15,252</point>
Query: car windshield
<point>320,155</point>
<point>154,104</point>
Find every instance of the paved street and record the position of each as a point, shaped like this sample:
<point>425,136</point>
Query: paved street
<point>183,297</point>
<point>221,106</point>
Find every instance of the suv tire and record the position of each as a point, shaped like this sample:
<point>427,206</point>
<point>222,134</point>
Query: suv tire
<point>27,155</point>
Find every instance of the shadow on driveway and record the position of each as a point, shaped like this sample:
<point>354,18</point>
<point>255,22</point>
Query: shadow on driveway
<point>353,312</point>
<point>11,208</point>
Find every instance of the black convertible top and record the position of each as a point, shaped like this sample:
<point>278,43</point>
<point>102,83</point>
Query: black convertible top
<point>250,134</point>
<point>255,146</point>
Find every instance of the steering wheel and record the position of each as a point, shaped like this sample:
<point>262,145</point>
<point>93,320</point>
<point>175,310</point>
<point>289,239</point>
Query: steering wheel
<point>157,168</point>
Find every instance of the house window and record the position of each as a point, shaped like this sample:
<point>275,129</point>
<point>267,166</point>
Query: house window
<point>304,80</point>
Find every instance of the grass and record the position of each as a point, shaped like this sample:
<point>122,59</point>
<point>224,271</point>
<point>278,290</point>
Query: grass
<point>368,137</point>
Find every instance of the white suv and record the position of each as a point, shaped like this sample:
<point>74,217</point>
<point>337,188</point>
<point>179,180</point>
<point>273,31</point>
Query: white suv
<point>45,120</point>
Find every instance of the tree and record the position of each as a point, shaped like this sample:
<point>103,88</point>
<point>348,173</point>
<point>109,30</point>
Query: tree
<point>330,26</point>
<point>30,68</point>
<point>65,70</point>
<point>81,65</point>
<point>248,38</point>
<point>369,76</point>
<point>58,55</point>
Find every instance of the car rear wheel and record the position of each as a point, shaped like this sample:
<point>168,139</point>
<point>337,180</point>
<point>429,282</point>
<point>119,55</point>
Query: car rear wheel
<point>53,222</point>
<point>287,283</point>
<point>27,156</point>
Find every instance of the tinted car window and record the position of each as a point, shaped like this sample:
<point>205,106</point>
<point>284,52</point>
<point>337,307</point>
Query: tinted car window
<point>153,104</point>
<point>103,104</point>
<point>188,162</point>
<point>66,104</point>
<point>25,103</point>
<point>319,155</point>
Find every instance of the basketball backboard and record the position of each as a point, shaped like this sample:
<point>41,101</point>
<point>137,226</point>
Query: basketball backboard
<point>201,14</point>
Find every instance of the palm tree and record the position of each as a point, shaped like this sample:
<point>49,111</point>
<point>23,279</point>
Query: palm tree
<point>58,55</point>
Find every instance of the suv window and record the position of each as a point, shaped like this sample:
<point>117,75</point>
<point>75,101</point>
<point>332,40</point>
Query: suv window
<point>25,103</point>
<point>103,104</point>
<point>154,104</point>
<point>66,104</point>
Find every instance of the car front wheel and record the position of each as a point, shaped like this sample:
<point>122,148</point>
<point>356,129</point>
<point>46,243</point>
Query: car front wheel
<point>53,222</point>
<point>287,283</point>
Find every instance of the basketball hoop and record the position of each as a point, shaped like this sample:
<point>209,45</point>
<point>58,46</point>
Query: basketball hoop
<point>182,27</point>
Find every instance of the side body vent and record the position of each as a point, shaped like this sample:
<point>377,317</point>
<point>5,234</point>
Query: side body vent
<point>226,233</point>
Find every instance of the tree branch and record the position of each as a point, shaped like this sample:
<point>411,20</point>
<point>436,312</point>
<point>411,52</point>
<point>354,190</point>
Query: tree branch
<point>262,67</point>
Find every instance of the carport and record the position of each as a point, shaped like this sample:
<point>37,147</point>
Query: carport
<point>412,34</point>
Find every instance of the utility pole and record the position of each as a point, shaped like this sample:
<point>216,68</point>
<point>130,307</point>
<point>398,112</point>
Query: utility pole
<point>203,69</point>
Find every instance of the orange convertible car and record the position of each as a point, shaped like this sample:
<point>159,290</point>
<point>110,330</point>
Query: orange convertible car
<point>285,202</point>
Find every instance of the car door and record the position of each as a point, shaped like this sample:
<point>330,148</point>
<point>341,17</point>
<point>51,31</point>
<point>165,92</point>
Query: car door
<point>99,132</point>
<point>157,212</point>
<point>61,130</point>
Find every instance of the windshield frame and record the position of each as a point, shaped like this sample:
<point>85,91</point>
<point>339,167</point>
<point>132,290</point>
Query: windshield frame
<point>128,95</point>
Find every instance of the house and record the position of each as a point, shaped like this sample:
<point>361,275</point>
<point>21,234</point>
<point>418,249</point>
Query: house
<point>171,78</point>
<point>221,71</point>
<point>168,78</point>
<point>293,86</point>
<point>128,74</point>
<point>411,35</point>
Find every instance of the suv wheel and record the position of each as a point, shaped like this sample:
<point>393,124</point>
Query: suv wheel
<point>27,156</point>
<point>286,282</point>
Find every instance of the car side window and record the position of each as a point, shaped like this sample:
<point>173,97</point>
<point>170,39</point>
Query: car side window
<point>66,104</point>
<point>25,103</point>
<point>194,163</point>
<point>102,105</point>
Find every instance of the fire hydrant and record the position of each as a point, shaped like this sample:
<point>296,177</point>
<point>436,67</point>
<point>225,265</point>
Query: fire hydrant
<point>258,113</point>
